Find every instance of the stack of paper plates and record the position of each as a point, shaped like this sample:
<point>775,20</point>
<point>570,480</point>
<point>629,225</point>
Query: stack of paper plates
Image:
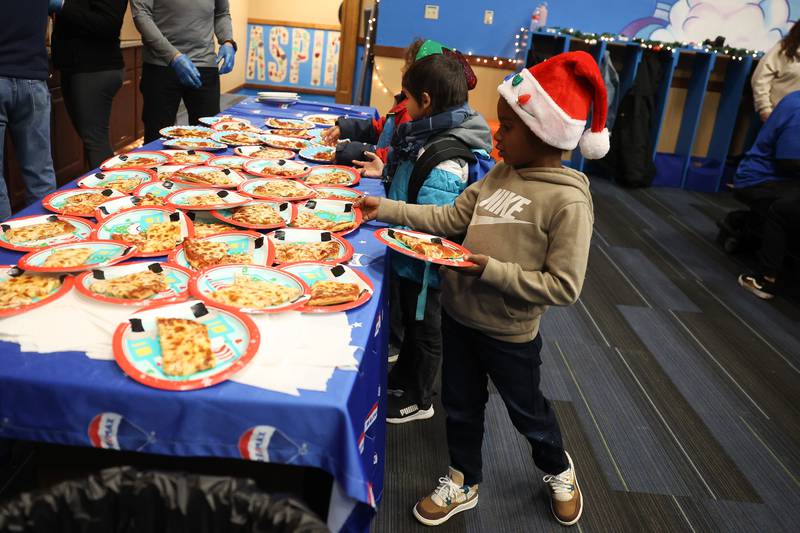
<point>278,97</point>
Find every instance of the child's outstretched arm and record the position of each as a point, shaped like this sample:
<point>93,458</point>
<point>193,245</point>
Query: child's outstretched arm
<point>444,220</point>
<point>561,279</point>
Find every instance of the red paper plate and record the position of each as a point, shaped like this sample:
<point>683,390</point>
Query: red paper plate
<point>234,177</point>
<point>333,210</point>
<point>385,235</point>
<point>337,192</point>
<point>234,340</point>
<point>287,210</point>
<point>293,235</point>
<point>277,168</point>
<point>263,252</point>
<point>141,159</point>
<point>250,186</point>
<point>83,231</point>
<point>205,282</point>
<point>55,201</point>
<point>6,271</point>
<point>311,272</point>
<point>198,157</point>
<point>317,175</point>
<point>179,199</point>
<point>178,280</point>
<point>134,219</point>
<point>261,152</point>
<point>104,253</point>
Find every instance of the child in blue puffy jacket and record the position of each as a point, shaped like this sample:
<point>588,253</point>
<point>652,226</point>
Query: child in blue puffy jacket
<point>436,89</point>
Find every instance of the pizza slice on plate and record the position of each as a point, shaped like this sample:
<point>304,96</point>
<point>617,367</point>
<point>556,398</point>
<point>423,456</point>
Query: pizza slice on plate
<point>125,185</point>
<point>68,257</point>
<point>305,251</point>
<point>185,346</point>
<point>159,237</point>
<point>37,232</point>
<point>259,214</point>
<point>83,203</point>
<point>333,293</point>
<point>204,200</point>
<point>207,229</point>
<point>202,253</point>
<point>26,289</point>
<point>428,249</point>
<point>211,177</point>
<point>334,177</point>
<point>135,286</point>
<point>310,220</point>
<point>282,189</point>
<point>254,294</point>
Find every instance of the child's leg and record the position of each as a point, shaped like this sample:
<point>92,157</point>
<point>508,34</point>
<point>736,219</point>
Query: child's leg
<point>464,395</point>
<point>514,369</point>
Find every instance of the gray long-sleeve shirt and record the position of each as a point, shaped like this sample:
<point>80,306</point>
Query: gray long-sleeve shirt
<point>186,26</point>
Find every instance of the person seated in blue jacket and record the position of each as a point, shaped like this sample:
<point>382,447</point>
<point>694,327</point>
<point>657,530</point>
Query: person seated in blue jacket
<point>436,89</point>
<point>768,180</point>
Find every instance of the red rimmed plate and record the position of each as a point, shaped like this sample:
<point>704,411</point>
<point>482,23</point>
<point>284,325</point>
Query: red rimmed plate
<point>333,175</point>
<point>261,152</point>
<point>205,225</point>
<point>102,253</point>
<point>182,132</point>
<point>289,124</point>
<point>184,175</point>
<point>286,236</point>
<point>237,138</point>
<point>234,342</point>
<point>137,220</point>
<point>82,230</point>
<point>388,236</point>
<point>124,181</point>
<point>177,279</point>
<point>165,172</point>
<point>233,162</point>
<point>206,282</point>
<point>319,154</point>
<point>182,199</point>
<point>338,192</point>
<point>195,143</point>
<point>322,120</point>
<point>235,125</point>
<point>12,271</point>
<point>133,201</point>
<point>334,212</point>
<point>289,143</point>
<point>277,168</point>
<point>311,272</point>
<point>56,202</point>
<point>239,243</point>
<point>294,134</point>
<point>287,211</point>
<point>142,159</point>
<point>251,188</point>
<point>186,157</point>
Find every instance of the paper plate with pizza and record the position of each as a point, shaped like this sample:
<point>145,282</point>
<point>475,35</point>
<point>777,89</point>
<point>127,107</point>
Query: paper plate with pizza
<point>289,124</point>
<point>235,125</point>
<point>187,157</point>
<point>277,189</point>
<point>277,168</point>
<point>424,246</point>
<point>155,231</point>
<point>210,121</point>
<point>233,162</point>
<point>332,287</point>
<point>34,232</point>
<point>205,199</point>
<point>156,191</point>
<point>78,202</point>
<point>205,225</point>
<point>322,120</point>
<point>249,288</point>
<point>22,291</point>
<point>165,172</point>
<point>290,143</point>
<point>319,153</point>
<point>182,132</point>
<point>335,216</point>
<point>261,152</point>
<point>295,134</point>
<point>77,256</point>
<point>140,283</point>
<point>143,159</point>
<point>184,346</point>
<point>133,201</point>
<point>259,214</point>
<point>337,192</point>
<point>195,143</point>
<point>295,245</point>
<point>231,248</point>
<point>237,138</point>
<point>119,180</point>
<point>333,175</point>
<point>207,176</point>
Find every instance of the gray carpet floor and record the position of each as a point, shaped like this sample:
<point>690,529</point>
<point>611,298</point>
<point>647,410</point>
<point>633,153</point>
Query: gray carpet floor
<point>678,393</point>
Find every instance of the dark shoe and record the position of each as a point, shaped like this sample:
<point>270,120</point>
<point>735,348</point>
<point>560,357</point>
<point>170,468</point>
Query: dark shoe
<point>758,285</point>
<point>402,408</point>
<point>449,498</point>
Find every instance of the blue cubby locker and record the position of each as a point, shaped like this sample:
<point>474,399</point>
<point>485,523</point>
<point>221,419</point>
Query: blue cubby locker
<point>705,174</point>
<point>597,51</point>
<point>661,98</point>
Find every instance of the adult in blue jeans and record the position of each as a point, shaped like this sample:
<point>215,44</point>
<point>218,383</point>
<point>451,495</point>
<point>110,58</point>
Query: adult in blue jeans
<point>25,98</point>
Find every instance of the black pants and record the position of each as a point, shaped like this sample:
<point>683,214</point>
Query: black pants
<point>88,97</point>
<point>162,94</point>
<point>470,357</point>
<point>779,203</point>
<point>420,355</point>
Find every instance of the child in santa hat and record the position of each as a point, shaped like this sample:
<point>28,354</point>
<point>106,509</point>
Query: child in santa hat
<point>529,225</point>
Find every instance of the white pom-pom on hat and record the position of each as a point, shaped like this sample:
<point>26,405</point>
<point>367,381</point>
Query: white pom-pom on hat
<point>595,144</point>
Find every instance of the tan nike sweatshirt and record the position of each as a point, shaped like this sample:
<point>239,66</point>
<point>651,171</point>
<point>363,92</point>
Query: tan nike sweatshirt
<point>534,223</point>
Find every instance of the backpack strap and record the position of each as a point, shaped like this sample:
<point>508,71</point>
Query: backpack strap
<point>440,150</point>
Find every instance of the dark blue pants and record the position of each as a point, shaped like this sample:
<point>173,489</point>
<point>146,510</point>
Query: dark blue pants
<point>470,358</point>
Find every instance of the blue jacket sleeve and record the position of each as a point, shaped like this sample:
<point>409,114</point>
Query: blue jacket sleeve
<point>356,129</point>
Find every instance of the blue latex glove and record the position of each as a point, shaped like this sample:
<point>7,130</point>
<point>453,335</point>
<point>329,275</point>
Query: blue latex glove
<point>226,55</point>
<point>187,73</point>
<point>55,6</point>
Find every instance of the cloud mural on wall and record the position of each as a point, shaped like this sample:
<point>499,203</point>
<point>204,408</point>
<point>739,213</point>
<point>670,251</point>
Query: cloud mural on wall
<point>750,24</point>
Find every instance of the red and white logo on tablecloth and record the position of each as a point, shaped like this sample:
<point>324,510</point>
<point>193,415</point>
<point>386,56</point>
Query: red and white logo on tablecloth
<point>254,442</point>
<point>104,431</point>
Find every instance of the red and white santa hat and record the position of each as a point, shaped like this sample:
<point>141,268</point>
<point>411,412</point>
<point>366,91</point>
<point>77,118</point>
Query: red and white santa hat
<point>554,98</point>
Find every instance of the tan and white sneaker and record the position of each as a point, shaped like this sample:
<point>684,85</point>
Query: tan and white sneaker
<point>448,499</point>
<point>566,500</point>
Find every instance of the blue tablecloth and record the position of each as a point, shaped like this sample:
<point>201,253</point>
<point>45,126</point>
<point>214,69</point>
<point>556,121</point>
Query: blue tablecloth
<point>70,399</point>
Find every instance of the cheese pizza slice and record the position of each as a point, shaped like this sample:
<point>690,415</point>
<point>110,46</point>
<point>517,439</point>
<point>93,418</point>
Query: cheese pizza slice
<point>159,237</point>
<point>135,286</point>
<point>26,289</point>
<point>254,294</point>
<point>282,189</point>
<point>83,203</point>
<point>37,232</point>
<point>68,257</point>
<point>207,229</point>
<point>333,293</point>
<point>334,177</point>
<point>203,253</point>
<point>427,248</point>
<point>259,214</point>
<point>305,251</point>
<point>185,346</point>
